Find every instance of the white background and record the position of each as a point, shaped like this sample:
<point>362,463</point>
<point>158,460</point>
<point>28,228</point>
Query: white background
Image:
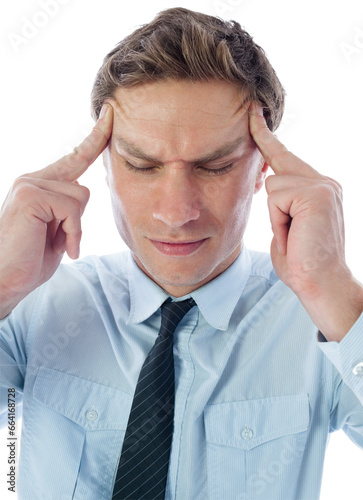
<point>316,48</point>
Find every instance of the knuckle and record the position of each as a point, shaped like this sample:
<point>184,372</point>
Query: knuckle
<point>85,192</point>
<point>96,136</point>
<point>270,183</point>
<point>335,184</point>
<point>326,192</point>
<point>78,155</point>
<point>24,192</point>
<point>84,150</point>
<point>24,178</point>
<point>338,188</point>
<point>72,158</point>
<point>82,196</point>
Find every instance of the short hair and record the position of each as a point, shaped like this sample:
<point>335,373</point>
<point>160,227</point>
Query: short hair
<point>180,44</point>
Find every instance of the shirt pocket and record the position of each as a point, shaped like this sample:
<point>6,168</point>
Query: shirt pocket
<point>255,447</point>
<point>77,426</point>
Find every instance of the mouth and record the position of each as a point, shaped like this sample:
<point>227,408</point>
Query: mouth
<point>179,248</point>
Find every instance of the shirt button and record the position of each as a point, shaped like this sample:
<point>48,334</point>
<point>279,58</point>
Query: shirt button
<point>91,415</point>
<point>247,433</point>
<point>358,369</point>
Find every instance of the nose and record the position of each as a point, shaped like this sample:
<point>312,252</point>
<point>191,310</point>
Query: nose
<point>178,200</point>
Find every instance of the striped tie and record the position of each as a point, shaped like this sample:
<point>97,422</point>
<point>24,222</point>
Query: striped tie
<point>144,460</point>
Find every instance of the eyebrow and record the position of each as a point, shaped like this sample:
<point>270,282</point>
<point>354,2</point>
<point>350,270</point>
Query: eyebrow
<point>217,154</point>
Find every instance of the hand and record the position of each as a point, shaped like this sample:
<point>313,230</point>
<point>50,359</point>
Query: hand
<point>307,249</point>
<point>40,218</point>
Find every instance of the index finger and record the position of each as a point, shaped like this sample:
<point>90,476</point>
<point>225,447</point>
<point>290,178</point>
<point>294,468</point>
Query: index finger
<point>72,166</point>
<point>282,161</point>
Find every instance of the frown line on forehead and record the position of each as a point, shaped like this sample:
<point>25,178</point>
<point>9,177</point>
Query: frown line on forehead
<point>136,152</point>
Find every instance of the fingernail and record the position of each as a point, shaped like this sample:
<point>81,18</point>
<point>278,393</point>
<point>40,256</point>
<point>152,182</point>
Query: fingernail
<point>104,110</point>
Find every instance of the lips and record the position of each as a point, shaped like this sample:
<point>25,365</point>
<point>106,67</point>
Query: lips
<point>178,248</point>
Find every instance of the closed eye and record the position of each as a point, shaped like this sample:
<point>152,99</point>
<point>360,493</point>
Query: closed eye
<point>141,170</point>
<point>206,170</point>
<point>217,171</point>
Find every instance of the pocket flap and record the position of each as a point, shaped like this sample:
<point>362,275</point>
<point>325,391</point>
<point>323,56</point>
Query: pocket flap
<point>247,424</point>
<point>89,404</point>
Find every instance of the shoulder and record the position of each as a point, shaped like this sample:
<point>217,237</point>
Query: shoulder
<point>92,278</point>
<point>93,268</point>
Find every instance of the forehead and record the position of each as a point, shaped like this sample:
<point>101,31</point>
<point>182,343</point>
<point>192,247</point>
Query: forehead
<point>178,120</point>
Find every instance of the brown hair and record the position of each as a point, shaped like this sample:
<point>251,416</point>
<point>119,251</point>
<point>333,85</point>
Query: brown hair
<point>182,44</point>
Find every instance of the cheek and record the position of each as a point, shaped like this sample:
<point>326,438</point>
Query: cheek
<point>235,205</point>
<point>121,195</point>
<point>234,195</point>
<point>241,207</point>
<point>124,188</point>
<point>125,191</point>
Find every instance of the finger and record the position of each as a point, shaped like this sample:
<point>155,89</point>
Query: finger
<point>287,182</point>
<point>66,240</point>
<point>72,166</point>
<point>71,189</point>
<point>280,224</point>
<point>274,152</point>
<point>54,208</point>
<point>69,231</point>
<point>52,228</point>
<point>290,182</point>
<point>57,237</point>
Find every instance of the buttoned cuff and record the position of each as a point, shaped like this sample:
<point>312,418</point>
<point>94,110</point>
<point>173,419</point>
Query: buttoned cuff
<point>347,356</point>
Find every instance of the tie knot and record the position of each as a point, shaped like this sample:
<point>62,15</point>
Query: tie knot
<point>172,313</point>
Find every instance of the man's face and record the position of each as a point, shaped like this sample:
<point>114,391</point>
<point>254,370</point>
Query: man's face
<point>182,169</point>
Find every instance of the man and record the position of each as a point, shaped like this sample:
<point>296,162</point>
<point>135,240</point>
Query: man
<point>268,360</point>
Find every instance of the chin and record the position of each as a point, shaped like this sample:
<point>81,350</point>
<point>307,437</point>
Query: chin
<point>180,275</point>
<point>174,278</point>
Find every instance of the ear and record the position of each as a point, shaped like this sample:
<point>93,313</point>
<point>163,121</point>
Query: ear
<point>261,176</point>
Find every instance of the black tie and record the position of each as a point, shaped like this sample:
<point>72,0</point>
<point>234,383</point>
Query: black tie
<point>144,460</point>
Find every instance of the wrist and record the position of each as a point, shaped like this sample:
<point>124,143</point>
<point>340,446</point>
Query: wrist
<point>335,308</point>
<point>8,301</point>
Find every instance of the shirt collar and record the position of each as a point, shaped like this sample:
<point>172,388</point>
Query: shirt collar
<point>216,300</point>
<point>145,295</point>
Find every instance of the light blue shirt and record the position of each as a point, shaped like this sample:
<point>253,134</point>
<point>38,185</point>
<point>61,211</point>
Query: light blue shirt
<point>257,394</point>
